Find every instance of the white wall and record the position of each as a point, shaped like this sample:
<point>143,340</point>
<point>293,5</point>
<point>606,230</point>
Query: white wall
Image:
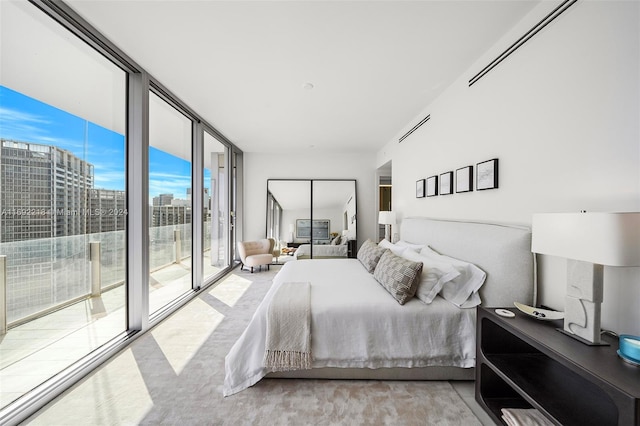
<point>562,115</point>
<point>312,165</point>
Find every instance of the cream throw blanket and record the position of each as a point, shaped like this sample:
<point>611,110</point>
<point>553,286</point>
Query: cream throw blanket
<point>288,339</point>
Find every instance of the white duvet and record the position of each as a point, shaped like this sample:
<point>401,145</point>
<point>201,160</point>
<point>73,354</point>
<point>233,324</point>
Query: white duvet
<point>321,250</point>
<point>355,323</point>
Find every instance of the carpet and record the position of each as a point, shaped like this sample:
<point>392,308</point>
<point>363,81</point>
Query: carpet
<point>173,375</point>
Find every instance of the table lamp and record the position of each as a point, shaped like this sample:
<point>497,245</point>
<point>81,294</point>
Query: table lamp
<point>387,219</point>
<point>589,241</point>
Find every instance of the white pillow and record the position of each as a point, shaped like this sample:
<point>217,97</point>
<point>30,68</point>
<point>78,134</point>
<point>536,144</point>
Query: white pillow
<point>397,250</point>
<point>414,247</point>
<point>462,290</point>
<point>435,274</point>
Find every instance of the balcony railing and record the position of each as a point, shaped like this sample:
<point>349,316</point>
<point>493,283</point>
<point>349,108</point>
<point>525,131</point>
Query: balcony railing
<point>41,275</point>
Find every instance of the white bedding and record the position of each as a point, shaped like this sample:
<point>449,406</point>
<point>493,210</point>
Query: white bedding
<point>355,323</point>
<point>322,250</point>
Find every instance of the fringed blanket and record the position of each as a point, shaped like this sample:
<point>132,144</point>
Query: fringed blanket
<point>288,339</point>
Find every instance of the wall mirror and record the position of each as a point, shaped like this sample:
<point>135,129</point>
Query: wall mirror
<point>312,218</point>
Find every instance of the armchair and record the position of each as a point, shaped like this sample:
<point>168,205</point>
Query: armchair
<point>255,253</point>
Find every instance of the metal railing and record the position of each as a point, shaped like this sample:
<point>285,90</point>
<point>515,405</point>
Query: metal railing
<point>42,275</point>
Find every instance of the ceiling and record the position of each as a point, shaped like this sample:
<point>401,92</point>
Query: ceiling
<point>244,66</point>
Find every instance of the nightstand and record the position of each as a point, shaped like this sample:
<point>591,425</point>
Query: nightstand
<point>522,362</point>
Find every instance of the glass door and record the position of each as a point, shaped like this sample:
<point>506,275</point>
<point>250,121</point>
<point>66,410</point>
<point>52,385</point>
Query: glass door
<point>216,207</point>
<point>170,197</point>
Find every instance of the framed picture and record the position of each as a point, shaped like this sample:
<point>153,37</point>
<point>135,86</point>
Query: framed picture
<point>464,179</point>
<point>420,188</point>
<point>432,186</point>
<point>487,174</point>
<point>318,229</point>
<point>446,183</point>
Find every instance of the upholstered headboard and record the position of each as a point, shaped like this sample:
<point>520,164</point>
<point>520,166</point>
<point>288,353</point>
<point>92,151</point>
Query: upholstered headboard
<point>502,251</point>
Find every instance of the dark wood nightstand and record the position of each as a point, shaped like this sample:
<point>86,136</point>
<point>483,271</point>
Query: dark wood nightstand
<point>522,362</point>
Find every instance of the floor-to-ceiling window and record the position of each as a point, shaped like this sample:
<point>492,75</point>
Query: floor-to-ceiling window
<point>216,255</point>
<point>79,144</point>
<point>62,199</point>
<point>170,190</point>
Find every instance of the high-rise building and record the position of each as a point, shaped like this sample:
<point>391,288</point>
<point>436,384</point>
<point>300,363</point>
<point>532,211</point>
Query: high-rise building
<point>167,210</point>
<point>46,191</point>
<point>170,215</point>
<point>163,200</point>
<point>107,210</point>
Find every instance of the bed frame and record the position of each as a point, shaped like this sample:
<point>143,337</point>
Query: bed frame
<point>502,251</point>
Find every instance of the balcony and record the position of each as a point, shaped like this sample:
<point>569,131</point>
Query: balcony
<point>66,296</point>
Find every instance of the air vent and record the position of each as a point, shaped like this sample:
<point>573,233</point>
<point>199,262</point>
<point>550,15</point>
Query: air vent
<point>414,128</point>
<point>522,40</point>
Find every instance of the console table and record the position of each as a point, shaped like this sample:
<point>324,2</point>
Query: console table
<point>522,362</point>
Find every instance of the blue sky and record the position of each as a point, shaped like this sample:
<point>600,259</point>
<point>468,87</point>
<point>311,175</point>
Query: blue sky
<point>26,119</point>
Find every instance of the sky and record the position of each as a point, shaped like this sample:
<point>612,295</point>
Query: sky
<point>26,119</point>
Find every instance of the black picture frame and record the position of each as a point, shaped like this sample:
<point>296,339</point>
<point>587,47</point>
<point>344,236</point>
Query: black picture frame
<point>464,179</point>
<point>487,175</point>
<point>446,183</point>
<point>432,186</point>
<point>420,188</point>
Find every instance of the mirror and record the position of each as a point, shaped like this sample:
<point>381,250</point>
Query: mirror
<point>312,218</point>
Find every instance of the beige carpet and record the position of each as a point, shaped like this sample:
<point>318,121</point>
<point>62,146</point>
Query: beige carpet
<point>173,375</point>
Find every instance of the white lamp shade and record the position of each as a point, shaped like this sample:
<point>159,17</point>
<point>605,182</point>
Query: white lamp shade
<point>387,218</point>
<point>611,239</point>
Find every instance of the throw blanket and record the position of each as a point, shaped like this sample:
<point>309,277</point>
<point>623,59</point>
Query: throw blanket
<point>288,339</point>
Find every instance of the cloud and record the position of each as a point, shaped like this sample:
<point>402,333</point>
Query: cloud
<point>13,115</point>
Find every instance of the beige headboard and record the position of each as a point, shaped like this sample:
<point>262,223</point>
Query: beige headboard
<point>502,251</point>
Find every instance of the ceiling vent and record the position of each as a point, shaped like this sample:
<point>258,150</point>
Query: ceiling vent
<point>522,40</point>
<point>414,128</point>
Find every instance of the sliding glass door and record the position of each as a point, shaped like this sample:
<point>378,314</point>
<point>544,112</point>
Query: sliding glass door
<point>86,261</point>
<point>170,136</point>
<point>216,254</point>
<point>62,200</point>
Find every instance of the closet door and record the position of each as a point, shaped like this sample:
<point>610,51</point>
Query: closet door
<point>334,217</point>
<point>310,215</point>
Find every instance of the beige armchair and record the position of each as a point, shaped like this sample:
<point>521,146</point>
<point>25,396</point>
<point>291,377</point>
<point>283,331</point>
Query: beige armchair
<point>256,253</point>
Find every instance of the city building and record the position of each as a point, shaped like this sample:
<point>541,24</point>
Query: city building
<point>46,191</point>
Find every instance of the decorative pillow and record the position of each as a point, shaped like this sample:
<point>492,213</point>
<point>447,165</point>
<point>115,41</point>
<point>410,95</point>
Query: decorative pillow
<point>344,240</point>
<point>414,247</point>
<point>398,276</point>
<point>335,241</point>
<point>435,274</point>
<point>397,250</point>
<point>369,255</point>
<point>462,290</point>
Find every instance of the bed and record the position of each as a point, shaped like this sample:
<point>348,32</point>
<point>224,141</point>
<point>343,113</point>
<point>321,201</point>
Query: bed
<point>321,251</point>
<point>361,332</point>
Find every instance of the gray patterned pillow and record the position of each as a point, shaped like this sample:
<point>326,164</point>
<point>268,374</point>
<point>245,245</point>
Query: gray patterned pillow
<point>369,255</point>
<point>398,276</point>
